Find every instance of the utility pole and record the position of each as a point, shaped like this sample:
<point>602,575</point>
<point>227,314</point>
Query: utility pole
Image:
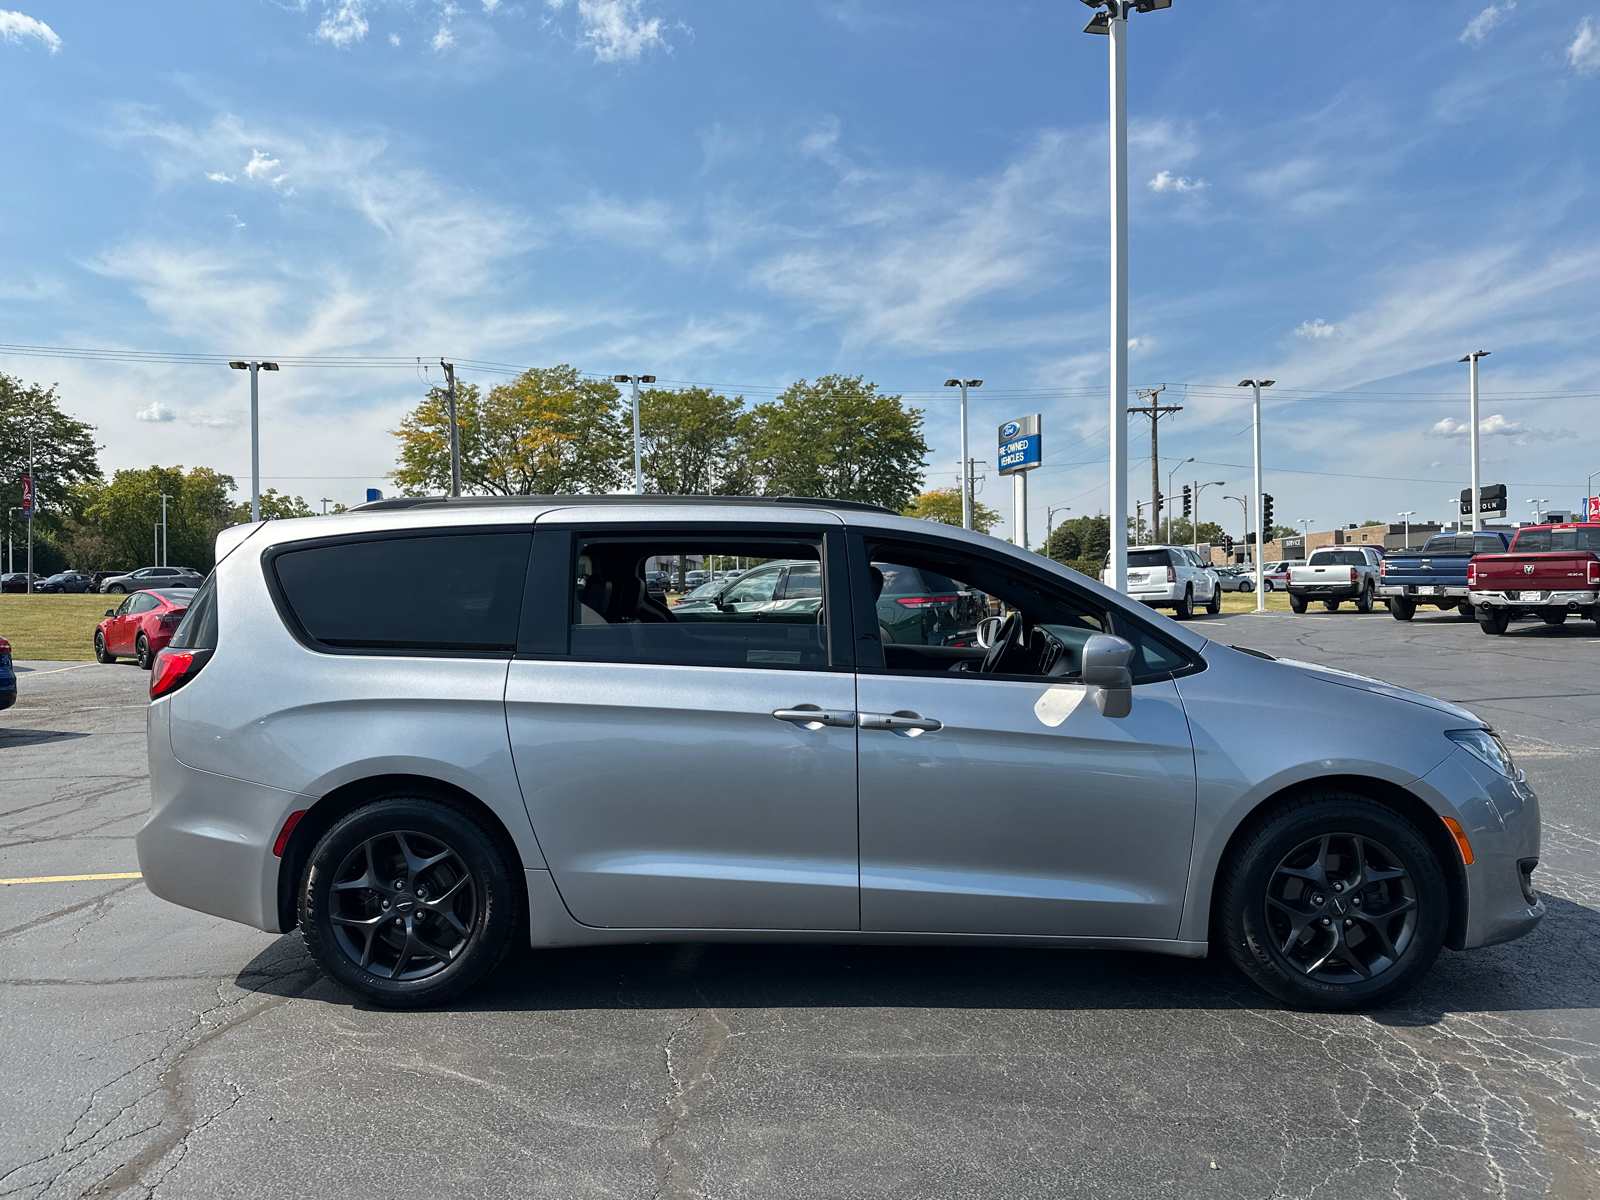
<point>162,558</point>
<point>326,501</point>
<point>1155,411</point>
<point>455,430</point>
<point>1472,413</point>
<point>638,459</point>
<point>30,503</point>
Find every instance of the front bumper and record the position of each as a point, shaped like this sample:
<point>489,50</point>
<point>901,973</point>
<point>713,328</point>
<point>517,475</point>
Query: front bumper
<point>1571,601</point>
<point>207,844</point>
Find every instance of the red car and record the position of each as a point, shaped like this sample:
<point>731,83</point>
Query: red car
<point>141,625</point>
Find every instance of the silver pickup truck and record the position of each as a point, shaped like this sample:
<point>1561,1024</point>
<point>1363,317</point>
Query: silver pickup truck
<point>1334,574</point>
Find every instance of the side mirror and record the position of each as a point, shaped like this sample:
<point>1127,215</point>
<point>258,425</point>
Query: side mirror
<point>111,612</point>
<point>988,628</point>
<point>1107,668</point>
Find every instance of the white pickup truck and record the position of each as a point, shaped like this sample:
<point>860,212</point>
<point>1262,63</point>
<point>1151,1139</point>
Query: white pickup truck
<point>1334,574</point>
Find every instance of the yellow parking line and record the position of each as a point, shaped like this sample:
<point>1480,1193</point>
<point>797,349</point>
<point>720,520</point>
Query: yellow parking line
<point>73,878</point>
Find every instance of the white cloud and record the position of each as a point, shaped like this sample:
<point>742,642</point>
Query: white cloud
<point>1478,28</point>
<point>1584,52</point>
<point>489,6</point>
<point>617,29</point>
<point>1315,329</point>
<point>15,26</point>
<point>443,40</point>
<point>157,412</point>
<point>345,24</point>
<point>218,177</point>
<point>1166,181</point>
<point>260,165</point>
<point>394,39</point>
<point>1516,432</point>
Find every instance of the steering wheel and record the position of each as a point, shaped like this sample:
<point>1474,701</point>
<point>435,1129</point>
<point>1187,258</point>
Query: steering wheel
<point>1006,643</point>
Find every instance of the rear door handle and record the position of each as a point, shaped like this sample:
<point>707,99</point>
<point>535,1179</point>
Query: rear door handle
<point>904,720</point>
<point>813,717</point>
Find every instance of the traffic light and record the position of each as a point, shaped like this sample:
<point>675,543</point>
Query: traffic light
<point>1266,513</point>
<point>1188,503</point>
<point>1227,542</point>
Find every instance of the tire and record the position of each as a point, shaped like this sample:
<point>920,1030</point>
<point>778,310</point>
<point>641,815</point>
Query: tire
<point>1214,605</point>
<point>1494,620</point>
<point>1555,618</point>
<point>1247,586</point>
<point>1184,609</point>
<point>1286,903</point>
<point>1297,603</point>
<point>1465,611</point>
<point>419,843</point>
<point>1331,605</point>
<point>1401,610</point>
<point>1266,585</point>
<point>141,652</point>
<point>1364,601</point>
<point>116,589</point>
<point>101,654</point>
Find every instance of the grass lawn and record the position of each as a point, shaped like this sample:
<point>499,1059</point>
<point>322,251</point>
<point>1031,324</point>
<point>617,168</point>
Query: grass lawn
<point>53,627</point>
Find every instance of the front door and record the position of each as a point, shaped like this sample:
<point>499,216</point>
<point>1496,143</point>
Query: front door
<point>689,773</point>
<point>1019,808</point>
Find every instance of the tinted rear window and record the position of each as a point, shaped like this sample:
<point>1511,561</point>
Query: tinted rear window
<point>1338,558</point>
<point>1148,558</point>
<point>450,592</point>
<point>1538,541</point>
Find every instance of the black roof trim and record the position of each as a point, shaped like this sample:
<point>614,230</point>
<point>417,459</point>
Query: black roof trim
<point>403,502</point>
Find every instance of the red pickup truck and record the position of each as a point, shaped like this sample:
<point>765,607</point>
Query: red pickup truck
<point>1551,571</point>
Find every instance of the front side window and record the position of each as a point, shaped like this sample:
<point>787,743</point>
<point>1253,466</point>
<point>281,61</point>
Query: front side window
<point>452,592</point>
<point>751,621</point>
<point>126,606</point>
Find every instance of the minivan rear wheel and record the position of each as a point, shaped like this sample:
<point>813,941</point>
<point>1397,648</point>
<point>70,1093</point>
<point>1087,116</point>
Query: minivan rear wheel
<point>1332,902</point>
<point>407,902</point>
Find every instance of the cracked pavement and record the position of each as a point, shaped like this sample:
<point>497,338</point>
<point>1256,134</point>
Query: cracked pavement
<point>152,1051</point>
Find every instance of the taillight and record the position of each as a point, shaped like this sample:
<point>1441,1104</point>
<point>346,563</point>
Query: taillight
<point>925,601</point>
<point>1172,575</point>
<point>1353,575</point>
<point>1472,574</point>
<point>1594,579</point>
<point>5,646</point>
<point>1383,567</point>
<point>174,668</point>
<point>174,618</point>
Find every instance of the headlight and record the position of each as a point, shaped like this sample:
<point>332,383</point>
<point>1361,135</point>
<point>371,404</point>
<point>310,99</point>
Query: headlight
<point>1485,745</point>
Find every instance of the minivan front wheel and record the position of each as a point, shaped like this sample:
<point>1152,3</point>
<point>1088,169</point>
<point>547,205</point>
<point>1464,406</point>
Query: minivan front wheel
<point>1332,902</point>
<point>407,902</point>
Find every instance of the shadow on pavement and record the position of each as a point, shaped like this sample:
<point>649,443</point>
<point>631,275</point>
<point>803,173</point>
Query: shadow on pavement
<point>35,737</point>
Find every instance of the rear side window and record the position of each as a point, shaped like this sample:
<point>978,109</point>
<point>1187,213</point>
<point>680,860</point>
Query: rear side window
<point>1443,544</point>
<point>1488,545</point>
<point>198,630</point>
<point>1540,541</point>
<point>459,592</point>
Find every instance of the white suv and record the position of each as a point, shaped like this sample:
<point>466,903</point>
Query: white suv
<point>1170,577</point>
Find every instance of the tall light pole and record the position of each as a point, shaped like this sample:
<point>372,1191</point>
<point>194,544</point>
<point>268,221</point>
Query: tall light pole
<point>1050,523</point>
<point>1406,518</point>
<point>1114,22</point>
<point>455,429</point>
<point>1197,487</point>
<point>1472,415</point>
<point>1168,499</point>
<point>254,366</point>
<point>638,459</point>
<point>966,477</point>
<point>1538,512</point>
<point>162,561</point>
<point>1245,505</point>
<point>11,543</point>
<point>1255,385</point>
<point>30,501</point>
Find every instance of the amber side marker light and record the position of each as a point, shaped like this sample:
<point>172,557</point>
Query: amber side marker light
<point>1460,836</point>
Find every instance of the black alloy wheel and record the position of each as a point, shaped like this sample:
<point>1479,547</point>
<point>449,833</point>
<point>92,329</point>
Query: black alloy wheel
<point>1401,609</point>
<point>1333,902</point>
<point>1555,618</point>
<point>101,654</point>
<point>408,902</point>
<point>141,652</point>
<point>1494,620</point>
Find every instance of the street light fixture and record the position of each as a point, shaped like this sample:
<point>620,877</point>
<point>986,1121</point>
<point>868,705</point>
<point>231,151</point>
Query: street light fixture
<point>1113,22</point>
<point>163,556</point>
<point>1538,509</point>
<point>1167,500</point>
<point>1255,386</point>
<point>638,461</point>
<point>1406,518</point>
<point>966,466</point>
<point>1050,523</point>
<point>253,366</point>
<point>1245,505</point>
<point>1472,413</point>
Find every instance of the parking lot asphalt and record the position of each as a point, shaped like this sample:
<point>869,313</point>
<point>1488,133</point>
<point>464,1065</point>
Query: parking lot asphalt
<point>149,1050</point>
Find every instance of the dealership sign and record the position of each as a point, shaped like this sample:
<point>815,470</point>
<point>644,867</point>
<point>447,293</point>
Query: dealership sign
<point>1020,445</point>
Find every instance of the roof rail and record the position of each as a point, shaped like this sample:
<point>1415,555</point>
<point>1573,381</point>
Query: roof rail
<point>403,502</point>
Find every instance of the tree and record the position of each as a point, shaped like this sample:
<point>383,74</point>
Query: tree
<point>63,459</point>
<point>1083,540</point>
<point>1365,524</point>
<point>693,443</point>
<point>126,511</point>
<point>838,438</point>
<point>1286,531</point>
<point>273,506</point>
<point>547,431</point>
<point>944,505</point>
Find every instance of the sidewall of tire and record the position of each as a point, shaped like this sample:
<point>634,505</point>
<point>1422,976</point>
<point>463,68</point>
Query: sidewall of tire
<point>1241,916</point>
<point>489,860</point>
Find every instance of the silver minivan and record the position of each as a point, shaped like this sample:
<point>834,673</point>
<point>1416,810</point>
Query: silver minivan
<point>415,775</point>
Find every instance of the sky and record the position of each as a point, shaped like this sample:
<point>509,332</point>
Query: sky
<point>1345,199</point>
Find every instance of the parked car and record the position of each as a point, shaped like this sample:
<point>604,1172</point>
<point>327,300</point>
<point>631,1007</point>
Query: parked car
<point>8,676</point>
<point>17,581</point>
<point>786,590</point>
<point>101,576</point>
<point>1234,579</point>
<point>141,625</point>
<point>920,607</point>
<point>1436,574</point>
<point>1336,573</point>
<point>1275,575</point>
<point>65,581</point>
<point>408,783</point>
<point>1170,577</point>
<point>152,577</point>
<point>1551,572</point>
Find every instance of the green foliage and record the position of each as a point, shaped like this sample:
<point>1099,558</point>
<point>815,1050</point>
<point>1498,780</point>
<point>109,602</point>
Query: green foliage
<point>548,431</point>
<point>838,438</point>
<point>1082,538</point>
<point>944,505</point>
<point>1366,524</point>
<point>693,443</point>
<point>63,460</point>
<point>274,507</point>
<point>124,513</point>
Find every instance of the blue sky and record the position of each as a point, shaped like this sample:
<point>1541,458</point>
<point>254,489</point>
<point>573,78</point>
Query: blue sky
<point>1343,198</point>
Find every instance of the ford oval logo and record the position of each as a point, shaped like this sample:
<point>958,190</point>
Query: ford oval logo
<point>1010,429</point>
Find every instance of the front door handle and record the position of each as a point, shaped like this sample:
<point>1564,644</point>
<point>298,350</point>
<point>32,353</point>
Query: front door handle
<point>813,717</point>
<point>904,721</point>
